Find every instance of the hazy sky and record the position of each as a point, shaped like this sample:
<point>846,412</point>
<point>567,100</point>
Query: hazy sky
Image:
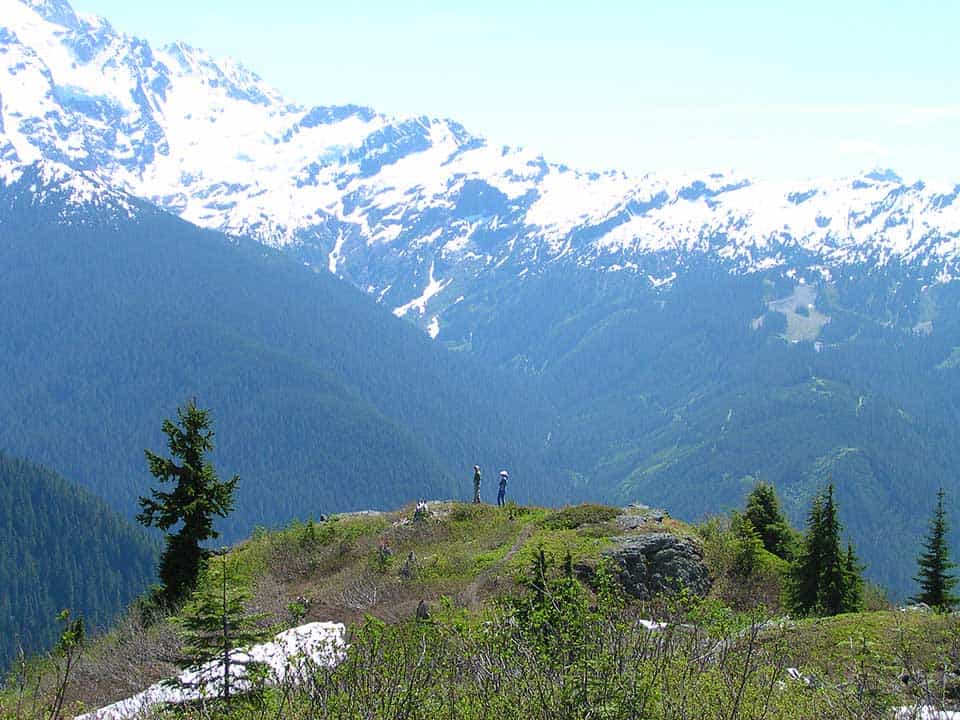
<point>776,89</point>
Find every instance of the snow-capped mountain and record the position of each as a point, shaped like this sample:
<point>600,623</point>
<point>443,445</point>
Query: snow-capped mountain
<point>416,211</point>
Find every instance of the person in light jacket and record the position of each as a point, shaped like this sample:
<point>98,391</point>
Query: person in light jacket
<point>476,484</point>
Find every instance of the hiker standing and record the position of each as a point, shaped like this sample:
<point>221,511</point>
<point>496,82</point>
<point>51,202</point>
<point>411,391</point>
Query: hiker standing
<point>476,484</point>
<point>503,487</point>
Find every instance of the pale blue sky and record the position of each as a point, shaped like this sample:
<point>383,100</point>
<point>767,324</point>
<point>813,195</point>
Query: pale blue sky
<point>781,90</point>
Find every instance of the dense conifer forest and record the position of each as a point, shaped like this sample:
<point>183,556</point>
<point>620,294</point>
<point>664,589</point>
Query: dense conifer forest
<point>324,401</point>
<point>686,396</point>
<point>62,548</point>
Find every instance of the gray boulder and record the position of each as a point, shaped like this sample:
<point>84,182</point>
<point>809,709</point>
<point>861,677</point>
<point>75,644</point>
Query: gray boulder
<point>637,516</point>
<point>659,564</point>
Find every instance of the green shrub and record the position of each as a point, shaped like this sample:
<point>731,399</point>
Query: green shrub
<point>470,512</point>
<point>570,518</point>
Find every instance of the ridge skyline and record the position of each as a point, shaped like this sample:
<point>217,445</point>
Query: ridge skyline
<point>639,89</point>
<point>418,211</point>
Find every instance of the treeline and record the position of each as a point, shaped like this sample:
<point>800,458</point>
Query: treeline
<point>758,559</point>
<point>60,547</point>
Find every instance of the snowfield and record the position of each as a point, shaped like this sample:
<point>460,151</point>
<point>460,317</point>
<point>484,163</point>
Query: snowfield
<point>288,657</point>
<point>379,200</point>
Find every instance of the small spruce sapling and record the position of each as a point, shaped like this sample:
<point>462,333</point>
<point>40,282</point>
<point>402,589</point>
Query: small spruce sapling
<point>936,581</point>
<point>215,623</point>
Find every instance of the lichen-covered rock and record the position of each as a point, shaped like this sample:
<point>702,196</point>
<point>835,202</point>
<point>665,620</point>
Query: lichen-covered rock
<point>659,564</point>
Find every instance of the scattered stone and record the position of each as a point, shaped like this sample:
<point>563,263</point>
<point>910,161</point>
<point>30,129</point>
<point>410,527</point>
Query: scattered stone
<point>360,514</point>
<point>408,570</point>
<point>659,564</point>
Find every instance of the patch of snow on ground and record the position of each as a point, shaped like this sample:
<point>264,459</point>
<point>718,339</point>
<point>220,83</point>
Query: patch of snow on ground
<point>652,625</point>
<point>433,287</point>
<point>924,712</point>
<point>290,654</point>
<point>335,255</point>
<point>660,282</point>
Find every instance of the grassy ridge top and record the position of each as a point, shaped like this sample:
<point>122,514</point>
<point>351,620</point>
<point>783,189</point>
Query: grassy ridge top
<point>472,564</point>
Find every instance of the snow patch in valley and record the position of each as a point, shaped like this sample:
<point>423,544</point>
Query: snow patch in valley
<point>335,255</point>
<point>419,304</point>
<point>660,282</point>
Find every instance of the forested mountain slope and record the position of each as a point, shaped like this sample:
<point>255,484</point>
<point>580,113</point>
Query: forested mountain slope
<point>675,335</point>
<point>685,395</point>
<point>113,312</point>
<point>61,548</point>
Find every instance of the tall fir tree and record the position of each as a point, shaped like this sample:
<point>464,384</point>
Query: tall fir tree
<point>764,513</point>
<point>823,579</point>
<point>805,571</point>
<point>936,582</point>
<point>833,563</point>
<point>198,496</point>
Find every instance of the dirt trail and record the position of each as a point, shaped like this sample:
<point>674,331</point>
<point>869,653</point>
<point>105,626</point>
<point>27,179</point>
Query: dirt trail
<point>470,595</point>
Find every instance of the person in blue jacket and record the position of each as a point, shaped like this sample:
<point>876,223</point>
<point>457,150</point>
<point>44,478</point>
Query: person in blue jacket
<point>503,487</point>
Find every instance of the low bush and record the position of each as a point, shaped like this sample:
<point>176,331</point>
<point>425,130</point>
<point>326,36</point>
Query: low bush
<point>570,518</point>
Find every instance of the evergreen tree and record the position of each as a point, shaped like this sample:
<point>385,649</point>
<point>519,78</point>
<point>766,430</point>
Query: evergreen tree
<point>833,563</point>
<point>197,497</point>
<point>936,582</point>
<point>215,623</point>
<point>805,571</point>
<point>824,580</point>
<point>748,545</point>
<point>853,586</point>
<point>764,513</point>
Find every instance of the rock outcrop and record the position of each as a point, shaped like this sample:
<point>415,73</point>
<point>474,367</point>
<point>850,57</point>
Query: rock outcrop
<point>659,563</point>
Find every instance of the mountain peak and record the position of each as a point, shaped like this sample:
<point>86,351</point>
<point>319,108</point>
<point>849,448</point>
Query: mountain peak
<point>884,175</point>
<point>345,188</point>
<point>58,12</point>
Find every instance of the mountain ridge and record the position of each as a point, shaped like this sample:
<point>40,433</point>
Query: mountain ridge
<point>113,311</point>
<point>381,200</point>
<point>676,355</point>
